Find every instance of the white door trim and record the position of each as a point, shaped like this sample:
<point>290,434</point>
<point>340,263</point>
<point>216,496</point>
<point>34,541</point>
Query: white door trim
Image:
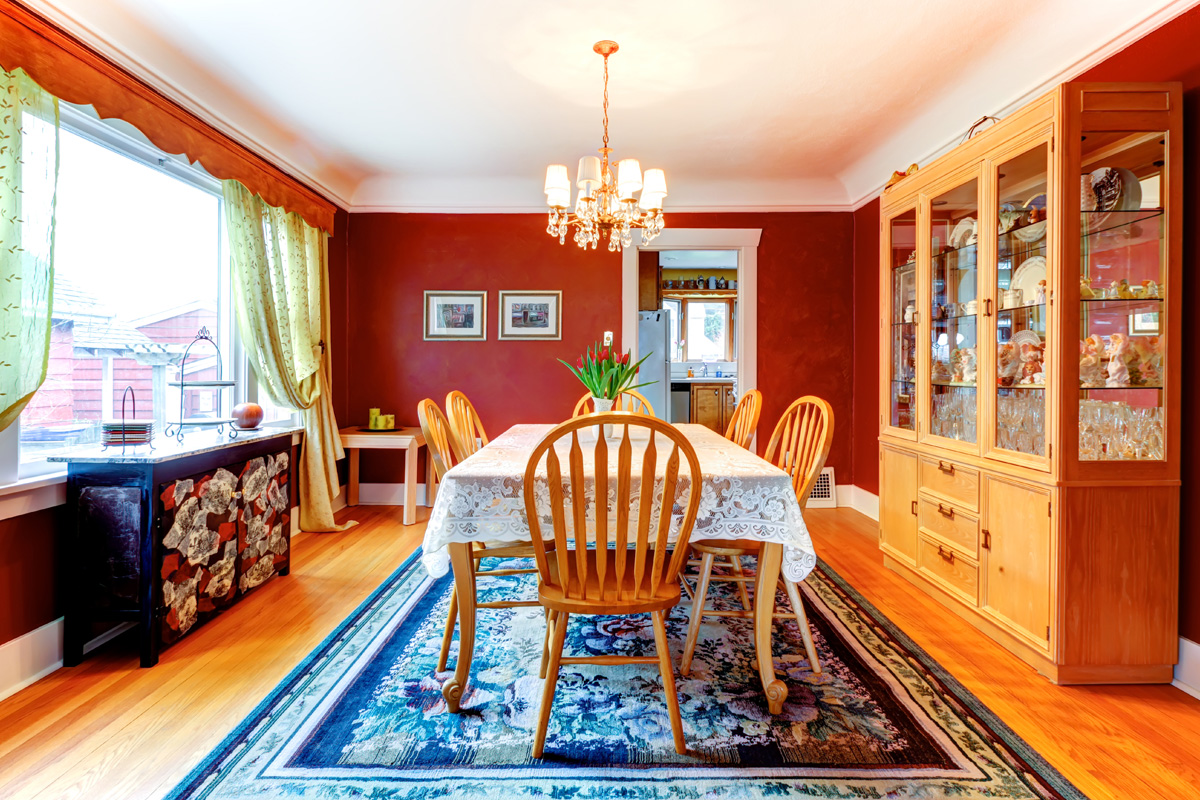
<point>745,241</point>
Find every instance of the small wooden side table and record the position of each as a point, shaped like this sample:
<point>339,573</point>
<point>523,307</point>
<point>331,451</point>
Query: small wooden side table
<point>409,440</point>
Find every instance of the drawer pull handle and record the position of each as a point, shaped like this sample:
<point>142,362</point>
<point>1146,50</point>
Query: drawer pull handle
<point>946,467</point>
<point>987,307</point>
<point>948,513</point>
<point>947,555</point>
<point>987,539</point>
<point>914,508</point>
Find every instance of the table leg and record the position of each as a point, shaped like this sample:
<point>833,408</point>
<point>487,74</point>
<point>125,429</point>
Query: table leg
<point>352,487</point>
<point>430,480</point>
<point>410,486</point>
<point>464,582</point>
<point>770,559</point>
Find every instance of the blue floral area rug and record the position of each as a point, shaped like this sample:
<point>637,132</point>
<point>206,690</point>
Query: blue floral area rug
<point>363,715</point>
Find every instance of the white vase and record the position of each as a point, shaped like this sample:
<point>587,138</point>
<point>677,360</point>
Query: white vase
<point>603,405</point>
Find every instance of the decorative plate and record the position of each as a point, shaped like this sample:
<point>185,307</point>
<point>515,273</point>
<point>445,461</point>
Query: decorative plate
<point>1027,276</point>
<point>1112,189</point>
<point>1025,337</point>
<point>1037,231</point>
<point>964,233</point>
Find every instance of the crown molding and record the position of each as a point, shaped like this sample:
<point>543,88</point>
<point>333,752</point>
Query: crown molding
<point>63,18</point>
<point>1072,71</point>
<point>714,209</point>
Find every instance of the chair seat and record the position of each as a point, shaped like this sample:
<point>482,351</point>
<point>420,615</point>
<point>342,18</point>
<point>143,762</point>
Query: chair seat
<point>728,547</point>
<point>503,550</point>
<point>616,601</point>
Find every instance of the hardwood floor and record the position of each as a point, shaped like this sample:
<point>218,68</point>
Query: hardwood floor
<point>107,729</point>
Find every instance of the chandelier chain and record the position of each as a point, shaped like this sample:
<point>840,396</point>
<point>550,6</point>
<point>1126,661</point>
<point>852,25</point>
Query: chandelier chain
<point>606,106</point>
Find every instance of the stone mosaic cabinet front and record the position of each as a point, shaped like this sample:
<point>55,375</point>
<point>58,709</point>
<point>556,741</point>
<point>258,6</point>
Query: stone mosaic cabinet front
<point>224,533</point>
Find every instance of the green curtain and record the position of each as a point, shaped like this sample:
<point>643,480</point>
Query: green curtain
<point>281,293</point>
<point>28,187</point>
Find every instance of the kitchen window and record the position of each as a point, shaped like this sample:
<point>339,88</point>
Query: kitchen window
<point>701,329</point>
<point>139,267</point>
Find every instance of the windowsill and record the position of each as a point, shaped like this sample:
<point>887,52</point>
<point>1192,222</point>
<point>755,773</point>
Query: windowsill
<point>32,494</point>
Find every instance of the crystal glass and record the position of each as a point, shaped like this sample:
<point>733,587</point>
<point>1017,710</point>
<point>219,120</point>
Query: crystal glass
<point>902,238</point>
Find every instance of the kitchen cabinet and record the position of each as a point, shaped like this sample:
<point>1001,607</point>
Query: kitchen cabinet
<point>1030,332</point>
<point>713,405</point>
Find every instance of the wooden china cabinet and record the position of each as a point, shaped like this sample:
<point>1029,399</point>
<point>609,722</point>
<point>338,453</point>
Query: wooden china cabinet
<point>1030,381</point>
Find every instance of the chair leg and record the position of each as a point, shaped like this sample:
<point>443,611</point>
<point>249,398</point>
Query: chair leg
<point>736,563</point>
<point>793,593</point>
<point>689,649</point>
<point>667,668</point>
<point>551,616</point>
<point>451,621</point>
<point>556,648</point>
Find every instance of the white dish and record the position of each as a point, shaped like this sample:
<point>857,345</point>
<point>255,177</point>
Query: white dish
<point>964,233</point>
<point>1031,233</point>
<point>1027,276</point>
<point>1025,337</point>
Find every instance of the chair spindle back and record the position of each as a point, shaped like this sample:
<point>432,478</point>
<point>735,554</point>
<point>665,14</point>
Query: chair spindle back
<point>800,443</point>
<point>745,419</point>
<point>629,400</point>
<point>439,437</point>
<point>465,422</point>
<point>640,546</point>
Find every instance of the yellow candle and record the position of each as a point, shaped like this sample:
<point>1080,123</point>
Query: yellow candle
<point>373,418</point>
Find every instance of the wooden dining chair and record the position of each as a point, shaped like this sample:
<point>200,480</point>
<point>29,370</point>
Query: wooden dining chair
<point>744,423</point>
<point>635,573</point>
<point>465,422</point>
<point>628,400</point>
<point>799,446</point>
<point>443,447</point>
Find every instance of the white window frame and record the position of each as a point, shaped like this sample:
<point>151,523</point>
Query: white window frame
<point>124,139</point>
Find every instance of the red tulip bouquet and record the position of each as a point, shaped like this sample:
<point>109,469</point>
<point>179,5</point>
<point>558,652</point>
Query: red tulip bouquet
<point>605,373</point>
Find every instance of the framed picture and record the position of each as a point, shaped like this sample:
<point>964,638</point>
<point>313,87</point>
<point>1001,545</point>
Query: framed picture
<point>530,315</point>
<point>1144,324</point>
<point>453,316</point>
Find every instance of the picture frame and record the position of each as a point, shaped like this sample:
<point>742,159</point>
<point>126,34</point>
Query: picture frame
<point>1145,324</point>
<point>530,315</point>
<point>455,316</point>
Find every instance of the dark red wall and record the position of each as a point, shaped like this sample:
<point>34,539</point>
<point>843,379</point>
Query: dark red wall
<point>30,555</point>
<point>866,347</point>
<point>1172,53</point>
<point>804,317</point>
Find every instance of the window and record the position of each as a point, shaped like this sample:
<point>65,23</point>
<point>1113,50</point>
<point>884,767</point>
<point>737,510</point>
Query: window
<point>701,330</point>
<point>139,268</point>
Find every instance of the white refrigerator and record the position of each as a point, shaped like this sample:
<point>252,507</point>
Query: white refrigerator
<point>654,337</point>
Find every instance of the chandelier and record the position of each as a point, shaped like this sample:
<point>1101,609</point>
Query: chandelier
<point>606,202</point>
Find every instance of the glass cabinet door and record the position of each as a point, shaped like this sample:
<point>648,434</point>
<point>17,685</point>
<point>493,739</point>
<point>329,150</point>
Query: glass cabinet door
<point>1021,292</point>
<point>901,231</point>
<point>954,306</point>
<point>1122,286</point>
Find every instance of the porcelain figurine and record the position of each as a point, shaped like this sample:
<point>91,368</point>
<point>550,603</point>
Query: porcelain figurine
<point>969,367</point>
<point>722,283</point>
<point>1008,364</point>
<point>1149,352</point>
<point>1150,289</point>
<point>1040,297</point>
<point>909,311</point>
<point>1121,289</point>
<point>941,372</point>
<point>1090,373</point>
<point>1118,371</point>
<point>1085,289</point>
<point>1032,372</point>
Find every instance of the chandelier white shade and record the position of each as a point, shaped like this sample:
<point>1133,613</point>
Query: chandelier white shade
<point>606,202</point>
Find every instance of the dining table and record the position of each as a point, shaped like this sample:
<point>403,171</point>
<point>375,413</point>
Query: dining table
<point>481,499</point>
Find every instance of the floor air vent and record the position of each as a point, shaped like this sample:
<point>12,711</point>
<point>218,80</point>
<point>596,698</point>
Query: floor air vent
<point>824,492</point>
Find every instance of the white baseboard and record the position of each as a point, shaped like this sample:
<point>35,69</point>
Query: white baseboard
<point>858,498</point>
<point>1187,671</point>
<point>386,494</point>
<point>29,658</point>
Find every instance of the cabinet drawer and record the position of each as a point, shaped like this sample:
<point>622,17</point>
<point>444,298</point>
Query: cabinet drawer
<point>950,480</point>
<point>949,569</point>
<point>948,521</point>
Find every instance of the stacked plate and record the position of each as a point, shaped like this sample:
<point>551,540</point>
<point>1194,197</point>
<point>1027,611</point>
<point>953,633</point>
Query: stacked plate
<point>131,431</point>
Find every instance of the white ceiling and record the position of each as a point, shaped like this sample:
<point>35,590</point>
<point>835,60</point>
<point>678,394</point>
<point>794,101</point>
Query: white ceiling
<point>458,105</point>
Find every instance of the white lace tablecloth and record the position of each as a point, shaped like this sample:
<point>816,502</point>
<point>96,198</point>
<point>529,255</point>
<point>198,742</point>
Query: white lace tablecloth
<point>743,496</point>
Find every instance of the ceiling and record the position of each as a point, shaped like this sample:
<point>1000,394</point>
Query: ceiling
<point>458,105</point>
